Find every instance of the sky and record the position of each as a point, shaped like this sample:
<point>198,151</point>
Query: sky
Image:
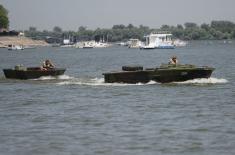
<point>70,14</point>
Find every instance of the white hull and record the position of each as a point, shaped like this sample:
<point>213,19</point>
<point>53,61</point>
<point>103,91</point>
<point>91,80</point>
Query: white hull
<point>92,44</point>
<point>15,47</point>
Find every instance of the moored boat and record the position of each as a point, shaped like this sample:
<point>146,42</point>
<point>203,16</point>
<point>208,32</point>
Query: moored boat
<point>20,72</point>
<point>158,40</point>
<point>134,43</point>
<point>166,73</point>
<point>15,47</point>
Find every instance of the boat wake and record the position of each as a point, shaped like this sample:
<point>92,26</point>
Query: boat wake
<point>99,82</point>
<point>69,80</point>
<point>202,81</point>
<point>60,77</point>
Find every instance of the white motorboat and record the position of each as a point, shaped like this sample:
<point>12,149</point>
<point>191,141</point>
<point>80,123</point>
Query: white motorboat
<point>92,44</point>
<point>15,47</point>
<point>101,45</point>
<point>84,44</point>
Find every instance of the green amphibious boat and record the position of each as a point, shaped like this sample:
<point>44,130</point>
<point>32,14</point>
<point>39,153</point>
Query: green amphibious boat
<point>24,73</point>
<point>166,73</point>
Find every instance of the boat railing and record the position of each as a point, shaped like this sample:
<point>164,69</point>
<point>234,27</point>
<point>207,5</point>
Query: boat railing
<point>177,66</point>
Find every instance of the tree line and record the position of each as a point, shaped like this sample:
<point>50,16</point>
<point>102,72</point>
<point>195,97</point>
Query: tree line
<point>188,31</point>
<point>4,21</point>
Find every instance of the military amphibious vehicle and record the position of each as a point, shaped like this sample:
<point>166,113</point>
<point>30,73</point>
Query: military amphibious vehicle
<point>24,73</point>
<point>166,73</point>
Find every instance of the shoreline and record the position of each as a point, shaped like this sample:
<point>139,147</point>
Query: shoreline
<point>20,40</point>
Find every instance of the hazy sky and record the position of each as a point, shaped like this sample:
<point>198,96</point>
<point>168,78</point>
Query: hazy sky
<point>70,14</point>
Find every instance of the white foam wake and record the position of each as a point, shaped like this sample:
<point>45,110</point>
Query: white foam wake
<point>204,81</point>
<point>99,82</point>
<point>60,77</point>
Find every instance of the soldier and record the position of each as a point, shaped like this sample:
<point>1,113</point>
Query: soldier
<point>47,64</point>
<point>173,60</point>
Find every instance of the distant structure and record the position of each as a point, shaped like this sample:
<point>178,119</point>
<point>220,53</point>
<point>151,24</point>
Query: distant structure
<point>21,34</point>
<point>160,40</point>
<point>66,41</point>
<point>134,43</point>
<point>3,30</point>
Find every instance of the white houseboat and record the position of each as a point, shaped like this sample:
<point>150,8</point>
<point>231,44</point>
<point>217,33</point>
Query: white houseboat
<point>160,40</point>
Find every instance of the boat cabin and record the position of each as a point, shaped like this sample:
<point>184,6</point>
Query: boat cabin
<point>134,43</point>
<point>159,40</point>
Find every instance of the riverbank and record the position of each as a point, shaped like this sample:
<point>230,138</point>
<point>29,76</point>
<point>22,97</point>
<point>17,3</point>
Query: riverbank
<point>16,40</point>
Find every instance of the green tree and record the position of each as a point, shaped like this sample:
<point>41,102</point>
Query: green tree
<point>130,26</point>
<point>233,34</point>
<point>223,26</point>
<point>4,21</point>
<point>205,26</point>
<point>165,28</point>
<point>32,29</point>
<point>82,28</point>
<point>189,25</point>
<point>57,29</point>
<point>121,26</point>
<point>179,26</point>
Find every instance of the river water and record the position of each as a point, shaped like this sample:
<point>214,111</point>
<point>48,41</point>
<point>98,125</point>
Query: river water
<point>78,113</point>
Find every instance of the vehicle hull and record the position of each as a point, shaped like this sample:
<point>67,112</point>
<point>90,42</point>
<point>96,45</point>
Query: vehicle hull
<point>161,75</point>
<point>32,73</point>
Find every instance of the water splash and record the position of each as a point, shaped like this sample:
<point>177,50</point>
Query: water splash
<point>211,80</point>
<point>99,82</point>
<point>60,77</point>
<point>65,77</point>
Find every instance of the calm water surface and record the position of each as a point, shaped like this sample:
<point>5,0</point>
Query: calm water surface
<point>78,113</point>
